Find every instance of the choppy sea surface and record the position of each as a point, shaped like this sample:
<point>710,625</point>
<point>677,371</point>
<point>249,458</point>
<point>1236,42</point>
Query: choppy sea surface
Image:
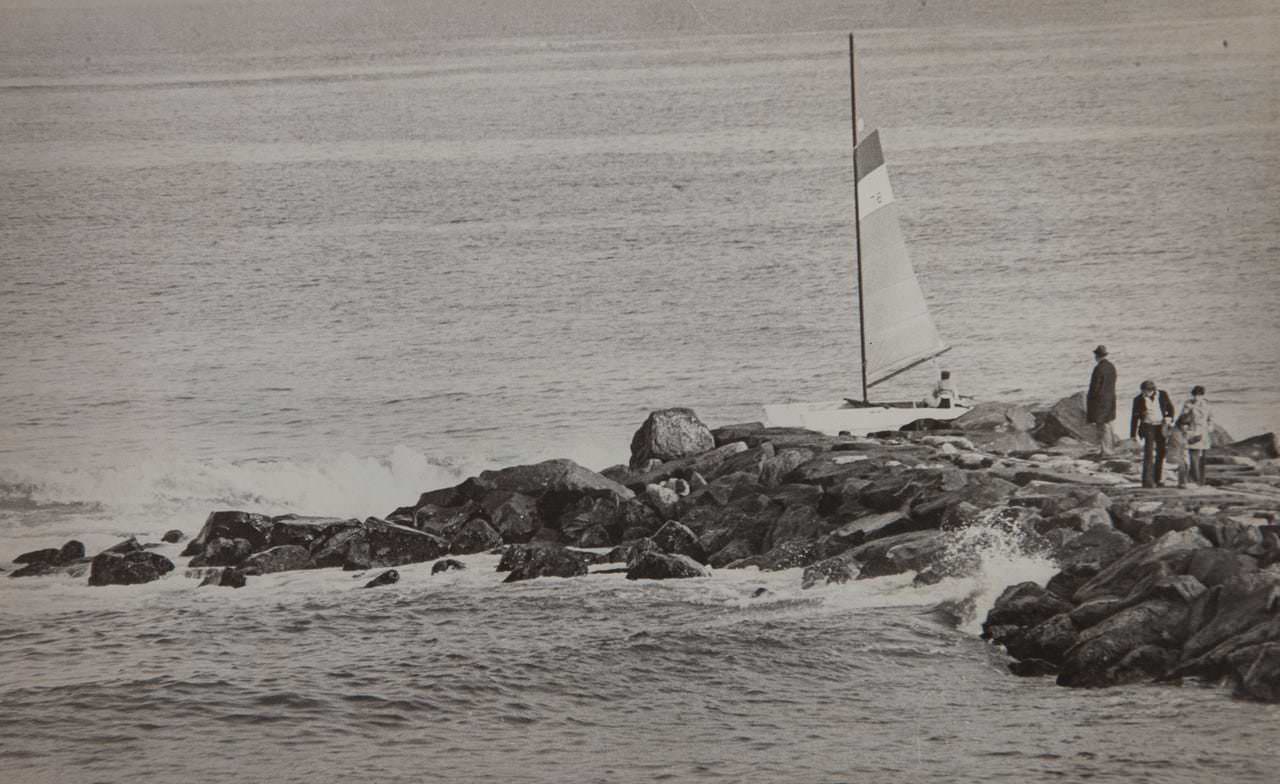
<point>316,257</point>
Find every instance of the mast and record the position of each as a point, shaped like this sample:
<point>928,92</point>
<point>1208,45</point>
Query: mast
<point>857,218</point>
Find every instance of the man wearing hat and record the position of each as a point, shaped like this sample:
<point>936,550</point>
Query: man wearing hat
<point>1152,413</point>
<point>1100,403</point>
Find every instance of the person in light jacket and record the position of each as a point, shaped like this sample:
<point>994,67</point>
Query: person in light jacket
<point>1200,419</point>
<point>1152,413</point>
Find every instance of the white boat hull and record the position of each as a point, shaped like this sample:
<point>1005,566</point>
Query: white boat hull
<point>836,417</point>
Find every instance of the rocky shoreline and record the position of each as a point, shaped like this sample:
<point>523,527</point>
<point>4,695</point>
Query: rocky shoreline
<point>1154,584</point>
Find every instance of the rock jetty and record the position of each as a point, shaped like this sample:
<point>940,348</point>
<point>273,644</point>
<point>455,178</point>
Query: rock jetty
<point>1153,584</point>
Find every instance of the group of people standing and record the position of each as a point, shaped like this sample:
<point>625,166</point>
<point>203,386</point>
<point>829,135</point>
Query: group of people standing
<point>1183,439</point>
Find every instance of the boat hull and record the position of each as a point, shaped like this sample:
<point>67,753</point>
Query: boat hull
<point>839,416</point>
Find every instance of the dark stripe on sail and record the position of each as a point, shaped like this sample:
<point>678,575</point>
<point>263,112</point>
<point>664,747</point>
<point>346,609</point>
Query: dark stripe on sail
<point>869,155</point>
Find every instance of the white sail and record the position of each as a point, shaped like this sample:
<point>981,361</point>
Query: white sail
<point>898,330</point>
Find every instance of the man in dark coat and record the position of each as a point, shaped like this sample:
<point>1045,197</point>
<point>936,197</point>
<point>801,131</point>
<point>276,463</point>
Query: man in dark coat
<point>1100,404</point>
<point>1152,413</point>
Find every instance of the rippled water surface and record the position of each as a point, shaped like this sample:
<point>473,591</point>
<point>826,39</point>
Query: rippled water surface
<point>315,257</point>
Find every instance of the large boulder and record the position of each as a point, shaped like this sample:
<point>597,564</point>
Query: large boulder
<point>1066,419</point>
<point>304,531</point>
<point>377,544</point>
<point>133,568</point>
<point>996,417</point>
<point>514,516</point>
<point>1256,672</point>
<point>669,434</point>
<point>1099,656</point>
<point>220,551</point>
<point>665,566</point>
<point>285,558</point>
<point>1171,552</point>
<point>224,577</point>
<point>253,528</point>
<point>543,561</point>
<point>837,569</point>
<point>475,536</point>
<point>561,478</point>
<point>675,538</point>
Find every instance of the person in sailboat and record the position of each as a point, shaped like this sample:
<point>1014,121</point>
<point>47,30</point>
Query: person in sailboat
<point>945,394</point>
<point>1100,402</point>
<point>1152,415</point>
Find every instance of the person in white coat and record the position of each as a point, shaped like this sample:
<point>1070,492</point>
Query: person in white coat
<point>1199,438</point>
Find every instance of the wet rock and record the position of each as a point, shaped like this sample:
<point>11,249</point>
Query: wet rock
<point>129,545</point>
<point>737,550</point>
<point>630,552</point>
<point>1095,611</point>
<point>230,525</point>
<point>797,522</point>
<point>285,558</point>
<point>1024,605</point>
<point>788,555</point>
<point>1173,550</point>
<point>669,434</point>
<point>447,565</point>
<point>475,536</point>
<point>675,538</point>
<point>838,569</point>
<point>389,577</point>
<point>914,551</point>
<point>874,526</point>
<point>1048,640</point>
<point>1093,660</point>
<point>37,569</point>
<point>1256,672</point>
<point>555,483</point>
<point>536,561</point>
<point>49,556</point>
<point>134,568</point>
<point>664,566</point>
<point>223,552</point>
<point>515,516</point>
<point>378,544</point>
<point>173,536</point>
<point>305,531</point>
<point>225,577</point>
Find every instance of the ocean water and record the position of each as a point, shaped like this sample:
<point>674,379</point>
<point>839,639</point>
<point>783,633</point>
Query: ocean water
<point>317,257</point>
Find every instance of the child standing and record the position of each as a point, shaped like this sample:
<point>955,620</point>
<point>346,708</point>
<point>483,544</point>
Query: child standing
<point>1176,447</point>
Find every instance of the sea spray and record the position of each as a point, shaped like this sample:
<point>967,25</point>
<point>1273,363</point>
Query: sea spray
<point>980,560</point>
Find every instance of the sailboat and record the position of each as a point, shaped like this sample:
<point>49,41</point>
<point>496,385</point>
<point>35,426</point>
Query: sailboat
<point>895,329</point>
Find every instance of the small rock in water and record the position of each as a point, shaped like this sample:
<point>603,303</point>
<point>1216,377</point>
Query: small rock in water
<point>757,593</point>
<point>447,565</point>
<point>172,536</point>
<point>388,577</point>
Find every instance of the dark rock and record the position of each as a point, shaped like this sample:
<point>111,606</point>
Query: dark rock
<point>173,536</point>
<point>305,531</point>
<point>675,538</point>
<point>37,569</point>
<point>797,523</point>
<point>669,434</point>
<point>389,577</point>
<point>476,536</point>
<point>727,434</point>
<point>773,469</point>
<point>1261,447</point>
<point>1048,640</point>
<point>1100,547</point>
<point>514,516</point>
<point>704,463</point>
<point>1173,549</point>
<point>537,561</point>
<point>50,556</point>
<point>664,566</point>
<point>1095,611</point>
<point>788,555</point>
<point>253,528</point>
<point>556,483</point>
<point>601,522</point>
<point>285,558</point>
<point>134,568</point>
<point>225,577</point>
<point>1214,566</point>
<point>998,417</point>
<point>1142,664</point>
<point>874,526</point>
<point>1256,672</point>
<point>1224,617</point>
<point>890,493</point>
<point>1025,605</point>
<point>913,551</point>
<point>447,565</point>
<point>1093,660</point>
<point>223,552</point>
<point>1066,418</point>
<point>379,544</point>
<point>736,550</point>
<point>837,569</point>
<point>630,552</point>
<point>129,545</point>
